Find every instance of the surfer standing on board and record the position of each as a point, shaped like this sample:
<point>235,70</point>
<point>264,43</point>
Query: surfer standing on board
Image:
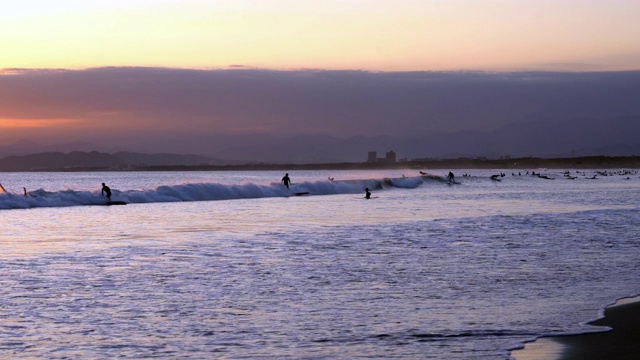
<point>450,177</point>
<point>367,194</point>
<point>286,181</point>
<point>106,190</point>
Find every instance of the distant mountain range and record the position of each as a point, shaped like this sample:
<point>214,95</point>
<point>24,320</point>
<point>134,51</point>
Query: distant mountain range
<point>95,161</point>
<point>544,138</point>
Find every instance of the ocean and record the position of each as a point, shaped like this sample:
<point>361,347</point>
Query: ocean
<point>229,265</point>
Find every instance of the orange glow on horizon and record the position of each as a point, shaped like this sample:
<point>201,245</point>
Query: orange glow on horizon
<point>35,123</point>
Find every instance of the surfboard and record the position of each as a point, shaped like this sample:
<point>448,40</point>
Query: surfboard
<point>115,203</point>
<point>301,193</point>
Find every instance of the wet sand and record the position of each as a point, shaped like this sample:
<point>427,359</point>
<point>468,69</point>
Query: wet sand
<point>621,343</point>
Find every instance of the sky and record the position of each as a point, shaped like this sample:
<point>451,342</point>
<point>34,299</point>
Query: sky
<point>143,71</point>
<point>376,35</point>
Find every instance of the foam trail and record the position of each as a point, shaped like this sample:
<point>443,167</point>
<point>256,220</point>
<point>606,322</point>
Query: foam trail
<point>203,192</point>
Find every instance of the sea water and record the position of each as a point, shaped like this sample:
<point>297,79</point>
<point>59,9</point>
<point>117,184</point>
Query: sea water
<point>234,265</point>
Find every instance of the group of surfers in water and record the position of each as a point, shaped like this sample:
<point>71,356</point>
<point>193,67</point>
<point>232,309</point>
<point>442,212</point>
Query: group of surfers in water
<point>286,181</point>
<point>105,191</point>
<point>367,194</point>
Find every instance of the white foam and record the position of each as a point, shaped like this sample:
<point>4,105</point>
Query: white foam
<point>201,192</point>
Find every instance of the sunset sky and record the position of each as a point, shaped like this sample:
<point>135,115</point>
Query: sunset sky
<point>377,35</point>
<point>72,68</point>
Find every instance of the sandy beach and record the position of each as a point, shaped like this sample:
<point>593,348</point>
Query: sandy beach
<point>621,343</point>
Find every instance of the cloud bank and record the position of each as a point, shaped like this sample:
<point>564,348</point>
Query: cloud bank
<point>165,109</point>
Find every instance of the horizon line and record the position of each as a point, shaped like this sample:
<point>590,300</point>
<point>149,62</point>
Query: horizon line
<point>23,70</point>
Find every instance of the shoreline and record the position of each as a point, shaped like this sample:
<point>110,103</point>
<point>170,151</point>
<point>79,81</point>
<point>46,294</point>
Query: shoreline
<point>620,342</point>
<point>527,163</point>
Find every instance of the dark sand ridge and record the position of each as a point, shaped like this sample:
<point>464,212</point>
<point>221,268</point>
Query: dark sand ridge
<point>620,343</point>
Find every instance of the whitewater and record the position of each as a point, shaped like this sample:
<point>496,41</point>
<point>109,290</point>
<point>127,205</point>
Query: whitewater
<point>232,264</point>
<point>202,191</point>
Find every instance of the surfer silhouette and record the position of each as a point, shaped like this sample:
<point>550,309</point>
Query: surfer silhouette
<point>367,194</point>
<point>26,193</point>
<point>285,180</point>
<point>450,177</point>
<point>106,190</point>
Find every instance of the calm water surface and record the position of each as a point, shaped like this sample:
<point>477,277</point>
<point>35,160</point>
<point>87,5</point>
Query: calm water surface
<point>230,265</point>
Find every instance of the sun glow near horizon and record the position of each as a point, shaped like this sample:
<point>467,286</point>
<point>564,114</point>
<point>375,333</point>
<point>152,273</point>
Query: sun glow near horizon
<point>407,35</point>
<point>35,123</point>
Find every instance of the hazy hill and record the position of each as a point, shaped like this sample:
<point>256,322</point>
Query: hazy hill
<point>162,159</point>
<point>26,147</point>
<point>580,136</point>
<point>543,138</point>
<point>95,160</point>
<point>57,160</point>
<point>585,136</point>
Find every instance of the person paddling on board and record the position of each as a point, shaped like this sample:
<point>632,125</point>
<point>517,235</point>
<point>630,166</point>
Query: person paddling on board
<point>367,194</point>
<point>106,190</point>
<point>286,181</point>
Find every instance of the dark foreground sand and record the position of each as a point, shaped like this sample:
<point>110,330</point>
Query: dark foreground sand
<point>621,343</point>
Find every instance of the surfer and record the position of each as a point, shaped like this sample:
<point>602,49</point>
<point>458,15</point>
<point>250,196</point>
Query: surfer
<point>285,180</point>
<point>450,177</point>
<point>26,193</point>
<point>367,194</point>
<point>106,190</point>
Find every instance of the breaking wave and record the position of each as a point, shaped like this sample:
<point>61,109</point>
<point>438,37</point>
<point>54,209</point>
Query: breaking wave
<point>206,192</point>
